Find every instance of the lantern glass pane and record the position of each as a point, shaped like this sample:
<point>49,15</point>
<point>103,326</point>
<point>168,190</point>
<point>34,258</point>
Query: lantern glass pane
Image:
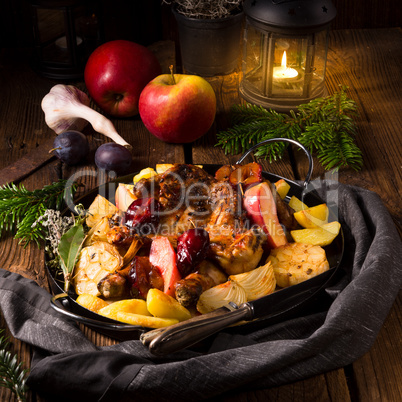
<point>318,66</point>
<point>253,63</point>
<point>283,69</point>
<point>50,24</point>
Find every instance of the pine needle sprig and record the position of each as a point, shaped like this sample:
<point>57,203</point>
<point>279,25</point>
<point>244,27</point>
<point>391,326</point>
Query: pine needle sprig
<point>12,375</point>
<point>20,208</point>
<point>253,124</point>
<point>324,126</point>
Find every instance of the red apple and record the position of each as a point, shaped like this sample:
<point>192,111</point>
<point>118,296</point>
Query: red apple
<point>116,73</point>
<point>260,205</point>
<point>178,108</point>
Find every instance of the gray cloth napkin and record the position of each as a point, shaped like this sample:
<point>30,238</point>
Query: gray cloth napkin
<point>338,329</point>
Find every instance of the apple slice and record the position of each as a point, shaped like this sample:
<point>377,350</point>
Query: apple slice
<point>312,217</point>
<point>260,205</point>
<point>282,188</point>
<point>124,196</point>
<point>319,236</point>
<point>246,175</point>
<point>163,257</point>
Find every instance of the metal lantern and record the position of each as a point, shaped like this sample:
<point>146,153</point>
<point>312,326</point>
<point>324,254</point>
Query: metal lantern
<point>285,51</point>
<point>65,34</point>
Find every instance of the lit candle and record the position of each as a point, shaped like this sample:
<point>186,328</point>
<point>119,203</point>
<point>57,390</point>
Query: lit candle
<point>284,72</point>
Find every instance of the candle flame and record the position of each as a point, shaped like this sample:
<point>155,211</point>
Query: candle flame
<point>283,64</point>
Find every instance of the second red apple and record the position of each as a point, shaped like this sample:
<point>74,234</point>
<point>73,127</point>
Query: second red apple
<point>178,108</point>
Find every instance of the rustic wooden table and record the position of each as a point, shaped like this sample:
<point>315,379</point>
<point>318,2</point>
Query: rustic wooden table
<point>367,61</point>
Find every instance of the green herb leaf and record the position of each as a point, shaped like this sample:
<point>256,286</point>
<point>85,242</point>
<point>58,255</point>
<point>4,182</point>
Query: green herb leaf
<point>69,248</point>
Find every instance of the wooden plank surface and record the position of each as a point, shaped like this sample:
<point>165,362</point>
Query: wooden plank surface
<point>368,61</point>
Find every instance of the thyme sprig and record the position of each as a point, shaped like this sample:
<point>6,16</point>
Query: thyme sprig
<point>20,208</point>
<point>324,125</point>
<point>12,375</point>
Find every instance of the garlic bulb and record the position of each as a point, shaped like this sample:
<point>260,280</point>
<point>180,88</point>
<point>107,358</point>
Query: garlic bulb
<point>67,108</point>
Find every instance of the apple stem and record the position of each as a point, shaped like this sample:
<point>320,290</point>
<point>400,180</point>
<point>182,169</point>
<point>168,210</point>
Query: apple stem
<point>171,73</point>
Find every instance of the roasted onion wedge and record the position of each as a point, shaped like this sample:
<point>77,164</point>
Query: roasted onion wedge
<point>258,282</point>
<point>220,296</point>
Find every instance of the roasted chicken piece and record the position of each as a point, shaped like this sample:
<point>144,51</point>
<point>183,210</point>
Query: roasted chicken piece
<point>120,236</point>
<point>191,197</point>
<point>238,254</point>
<point>114,284</point>
<point>189,289</point>
<point>234,247</point>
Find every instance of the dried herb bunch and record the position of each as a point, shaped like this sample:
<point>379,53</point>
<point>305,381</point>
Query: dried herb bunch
<point>208,9</point>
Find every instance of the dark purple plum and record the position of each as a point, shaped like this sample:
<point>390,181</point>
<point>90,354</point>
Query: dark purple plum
<point>71,147</point>
<point>192,248</point>
<point>113,157</point>
<point>142,277</point>
<point>142,215</point>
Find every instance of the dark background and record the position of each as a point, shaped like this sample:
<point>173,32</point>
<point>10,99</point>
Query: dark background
<point>148,21</point>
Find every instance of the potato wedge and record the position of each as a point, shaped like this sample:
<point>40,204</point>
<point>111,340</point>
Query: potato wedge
<point>312,217</point>
<point>320,236</point>
<point>98,209</point>
<point>282,188</point>
<point>162,167</point>
<point>145,321</point>
<point>133,306</point>
<point>144,174</point>
<point>161,305</point>
<point>296,204</point>
<point>91,302</point>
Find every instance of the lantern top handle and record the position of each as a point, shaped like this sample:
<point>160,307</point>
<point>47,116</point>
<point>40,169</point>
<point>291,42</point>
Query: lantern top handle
<point>291,14</point>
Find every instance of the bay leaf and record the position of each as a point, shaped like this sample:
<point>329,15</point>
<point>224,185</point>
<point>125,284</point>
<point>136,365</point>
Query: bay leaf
<point>69,249</point>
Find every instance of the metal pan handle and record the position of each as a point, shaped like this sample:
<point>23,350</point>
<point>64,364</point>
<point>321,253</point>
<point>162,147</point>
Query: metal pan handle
<point>170,339</point>
<point>310,158</point>
<point>86,320</point>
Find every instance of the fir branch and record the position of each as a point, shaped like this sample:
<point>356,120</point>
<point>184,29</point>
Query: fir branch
<point>20,208</point>
<point>324,126</point>
<point>12,376</point>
